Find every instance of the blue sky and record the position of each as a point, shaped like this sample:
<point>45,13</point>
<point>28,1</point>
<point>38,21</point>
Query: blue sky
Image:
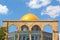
<point>43,9</point>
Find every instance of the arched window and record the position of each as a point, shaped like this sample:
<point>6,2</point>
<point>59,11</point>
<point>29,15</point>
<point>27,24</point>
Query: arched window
<point>35,33</point>
<point>47,34</point>
<point>24,28</point>
<point>12,30</point>
<point>35,28</point>
<point>24,34</point>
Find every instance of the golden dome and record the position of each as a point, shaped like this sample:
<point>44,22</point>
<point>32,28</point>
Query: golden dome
<point>29,17</point>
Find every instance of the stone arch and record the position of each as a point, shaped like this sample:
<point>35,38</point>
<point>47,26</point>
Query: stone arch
<point>25,27</point>
<point>36,31</point>
<point>11,25</point>
<point>48,26</point>
<point>12,29</point>
<point>36,26</point>
<point>54,26</point>
<point>55,31</point>
<point>47,32</point>
<point>41,23</point>
<point>24,33</point>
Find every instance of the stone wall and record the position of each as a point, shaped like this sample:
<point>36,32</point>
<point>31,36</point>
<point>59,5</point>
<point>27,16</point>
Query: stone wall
<point>30,24</point>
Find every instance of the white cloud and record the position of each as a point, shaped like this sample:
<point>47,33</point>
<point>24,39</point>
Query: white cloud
<point>52,11</point>
<point>38,3</point>
<point>3,9</point>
